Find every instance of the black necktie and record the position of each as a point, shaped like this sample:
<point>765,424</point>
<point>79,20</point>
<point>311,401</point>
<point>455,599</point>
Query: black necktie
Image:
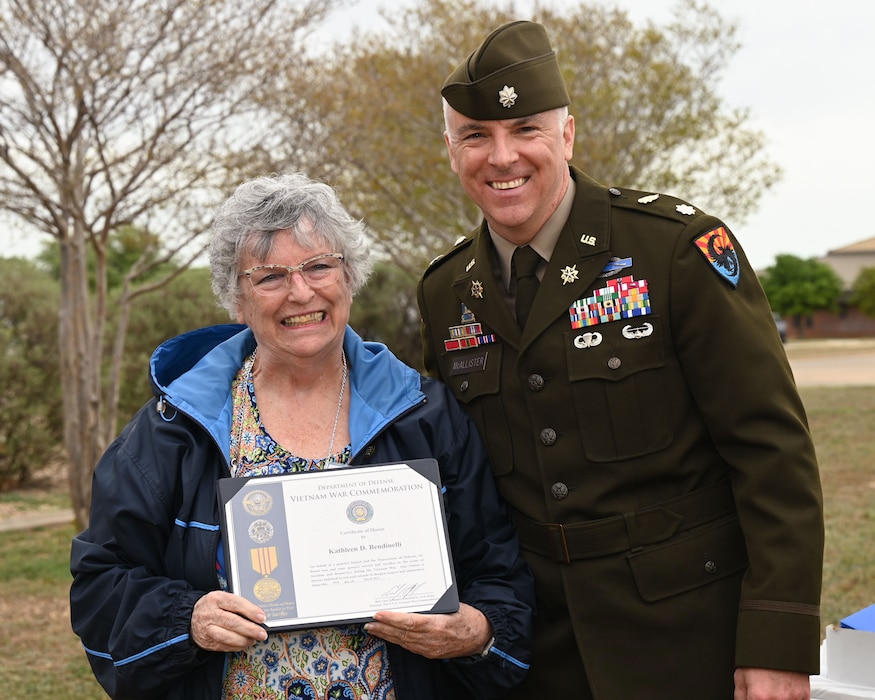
<point>524,263</point>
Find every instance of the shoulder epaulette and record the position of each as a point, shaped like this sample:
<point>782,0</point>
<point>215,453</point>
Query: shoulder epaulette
<point>461,243</point>
<point>663,205</point>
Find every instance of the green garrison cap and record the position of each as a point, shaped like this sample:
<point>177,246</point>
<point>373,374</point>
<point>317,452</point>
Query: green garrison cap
<point>513,73</point>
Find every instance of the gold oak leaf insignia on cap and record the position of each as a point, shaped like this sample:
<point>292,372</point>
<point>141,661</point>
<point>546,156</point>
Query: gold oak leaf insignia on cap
<point>507,96</point>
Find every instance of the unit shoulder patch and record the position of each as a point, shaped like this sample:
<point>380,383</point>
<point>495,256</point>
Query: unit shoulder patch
<point>717,247</point>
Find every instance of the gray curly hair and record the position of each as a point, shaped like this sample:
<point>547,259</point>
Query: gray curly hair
<point>260,208</point>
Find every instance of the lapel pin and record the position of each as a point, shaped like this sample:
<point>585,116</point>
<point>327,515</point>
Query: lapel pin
<point>569,274</point>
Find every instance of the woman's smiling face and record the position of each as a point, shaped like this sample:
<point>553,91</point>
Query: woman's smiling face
<point>301,321</point>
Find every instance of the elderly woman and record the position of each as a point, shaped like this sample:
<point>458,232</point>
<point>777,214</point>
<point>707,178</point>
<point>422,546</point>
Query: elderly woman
<point>292,389</point>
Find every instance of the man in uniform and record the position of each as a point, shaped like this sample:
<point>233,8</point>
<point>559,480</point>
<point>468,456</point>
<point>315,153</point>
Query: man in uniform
<point>640,413</point>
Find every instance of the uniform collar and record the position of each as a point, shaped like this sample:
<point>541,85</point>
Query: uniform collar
<point>544,241</point>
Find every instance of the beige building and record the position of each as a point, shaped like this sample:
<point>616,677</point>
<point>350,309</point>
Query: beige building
<point>848,261</point>
<point>848,322</point>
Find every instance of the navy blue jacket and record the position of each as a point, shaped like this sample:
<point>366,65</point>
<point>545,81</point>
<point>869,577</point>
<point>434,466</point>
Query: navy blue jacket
<point>150,550</point>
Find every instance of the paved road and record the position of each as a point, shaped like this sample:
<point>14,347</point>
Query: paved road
<point>836,368</point>
<point>37,519</point>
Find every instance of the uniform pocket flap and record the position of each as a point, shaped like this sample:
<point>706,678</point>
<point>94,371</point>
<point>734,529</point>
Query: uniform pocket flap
<point>689,560</point>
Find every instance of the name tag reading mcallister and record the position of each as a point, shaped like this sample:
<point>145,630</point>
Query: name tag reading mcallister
<point>475,362</point>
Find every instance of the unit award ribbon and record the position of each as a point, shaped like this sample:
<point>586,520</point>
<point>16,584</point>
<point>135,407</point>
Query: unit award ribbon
<point>264,561</point>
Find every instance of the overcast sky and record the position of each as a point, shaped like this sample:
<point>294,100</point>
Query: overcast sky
<point>806,71</point>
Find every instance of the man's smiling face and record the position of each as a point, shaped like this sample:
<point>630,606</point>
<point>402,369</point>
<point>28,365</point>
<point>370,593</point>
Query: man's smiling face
<point>515,170</point>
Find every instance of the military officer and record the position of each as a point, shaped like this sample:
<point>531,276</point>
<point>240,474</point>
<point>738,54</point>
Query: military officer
<point>640,413</point>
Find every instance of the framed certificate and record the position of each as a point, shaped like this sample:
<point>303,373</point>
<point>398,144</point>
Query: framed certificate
<point>336,546</point>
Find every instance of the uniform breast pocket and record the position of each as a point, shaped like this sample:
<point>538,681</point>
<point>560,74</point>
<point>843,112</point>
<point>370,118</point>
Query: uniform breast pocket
<point>617,377</point>
<point>474,376</point>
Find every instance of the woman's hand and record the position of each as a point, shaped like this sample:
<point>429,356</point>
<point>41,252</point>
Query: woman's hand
<point>223,621</point>
<point>462,633</point>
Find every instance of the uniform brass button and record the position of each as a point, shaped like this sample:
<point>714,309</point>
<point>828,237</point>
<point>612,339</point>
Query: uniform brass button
<point>536,382</point>
<point>548,436</point>
<point>710,567</point>
<point>614,191</point>
<point>559,490</point>
<point>615,362</point>
<point>463,386</point>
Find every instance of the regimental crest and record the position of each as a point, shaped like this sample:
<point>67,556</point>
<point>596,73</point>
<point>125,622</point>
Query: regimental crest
<point>468,334</point>
<point>507,96</point>
<point>718,250</point>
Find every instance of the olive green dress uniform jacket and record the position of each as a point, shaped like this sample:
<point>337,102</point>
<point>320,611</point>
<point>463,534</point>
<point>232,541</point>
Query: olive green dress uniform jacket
<point>661,468</point>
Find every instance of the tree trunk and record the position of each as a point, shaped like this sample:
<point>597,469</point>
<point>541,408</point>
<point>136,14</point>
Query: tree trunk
<point>80,376</point>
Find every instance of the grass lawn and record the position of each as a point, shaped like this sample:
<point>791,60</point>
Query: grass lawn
<point>843,424</point>
<point>41,657</point>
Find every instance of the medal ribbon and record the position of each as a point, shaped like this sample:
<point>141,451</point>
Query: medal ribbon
<point>264,559</point>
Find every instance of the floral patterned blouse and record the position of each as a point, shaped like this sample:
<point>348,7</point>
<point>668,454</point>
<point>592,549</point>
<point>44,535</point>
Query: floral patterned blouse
<point>326,663</point>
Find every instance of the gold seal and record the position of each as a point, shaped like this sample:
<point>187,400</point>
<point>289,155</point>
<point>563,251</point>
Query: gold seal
<point>267,589</point>
<point>257,502</point>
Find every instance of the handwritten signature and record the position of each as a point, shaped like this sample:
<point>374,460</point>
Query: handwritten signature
<point>402,591</point>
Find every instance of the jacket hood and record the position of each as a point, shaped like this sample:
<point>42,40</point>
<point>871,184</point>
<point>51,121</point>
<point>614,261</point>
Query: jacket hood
<point>193,374</point>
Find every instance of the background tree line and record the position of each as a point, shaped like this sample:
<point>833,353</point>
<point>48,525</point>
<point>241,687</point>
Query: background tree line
<point>137,123</point>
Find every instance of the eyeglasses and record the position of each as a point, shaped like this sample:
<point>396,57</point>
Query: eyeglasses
<point>318,271</point>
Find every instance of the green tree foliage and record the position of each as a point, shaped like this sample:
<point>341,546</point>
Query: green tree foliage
<point>863,294</point>
<point>123,249</point>
<point>31,421</point>
<point>130,115</point>
<point>386,310</point>
<point>30,395</point>
<point>183,304</point>
<point>797,287</point>
<point>645,100</point>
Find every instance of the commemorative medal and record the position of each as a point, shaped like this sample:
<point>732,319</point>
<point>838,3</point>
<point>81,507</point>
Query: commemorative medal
<point>264,561</point>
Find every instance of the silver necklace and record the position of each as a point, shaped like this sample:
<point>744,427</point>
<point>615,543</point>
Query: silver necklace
<point>339,405</point>
<point>248,371</point>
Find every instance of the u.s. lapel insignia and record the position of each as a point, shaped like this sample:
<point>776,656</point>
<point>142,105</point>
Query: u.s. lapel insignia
<point>477,289</point>
<point>468,334</point>
<point>507,96</point>
<point>470,265</point>
<point>716,246</point>
<point>569,274</point>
